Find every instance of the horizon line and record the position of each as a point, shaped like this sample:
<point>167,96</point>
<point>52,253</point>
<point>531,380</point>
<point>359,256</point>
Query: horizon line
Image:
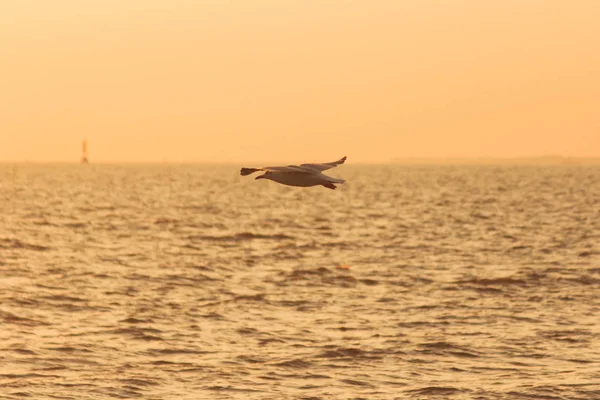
<point>543,159</point>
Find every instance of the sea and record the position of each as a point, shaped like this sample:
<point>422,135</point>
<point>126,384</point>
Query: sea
<point>192,282</point>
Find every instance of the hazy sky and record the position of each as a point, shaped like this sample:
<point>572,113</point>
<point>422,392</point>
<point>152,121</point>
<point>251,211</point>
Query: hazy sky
<point>298,80</point>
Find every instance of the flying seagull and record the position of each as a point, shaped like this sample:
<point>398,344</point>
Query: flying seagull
<point>302,175</point>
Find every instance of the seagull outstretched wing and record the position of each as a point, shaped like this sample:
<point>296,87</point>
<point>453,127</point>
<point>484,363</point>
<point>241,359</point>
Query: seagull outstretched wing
<point>324,166</point>
<point>306,168</point>
<point>290,168</point>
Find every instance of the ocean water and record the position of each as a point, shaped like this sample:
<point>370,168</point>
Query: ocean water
<point>192,282</point>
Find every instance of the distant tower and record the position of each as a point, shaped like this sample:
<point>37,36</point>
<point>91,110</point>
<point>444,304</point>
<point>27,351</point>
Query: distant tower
<point>84,158</point>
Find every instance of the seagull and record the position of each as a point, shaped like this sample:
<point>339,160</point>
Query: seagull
<point>302,175</point>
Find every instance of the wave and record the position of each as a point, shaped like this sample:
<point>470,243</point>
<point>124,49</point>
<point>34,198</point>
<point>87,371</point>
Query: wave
<point>6,243</point>
<point>241,236</point>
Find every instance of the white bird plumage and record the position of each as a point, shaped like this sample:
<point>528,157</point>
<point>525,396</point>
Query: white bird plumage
<point>302,175</point>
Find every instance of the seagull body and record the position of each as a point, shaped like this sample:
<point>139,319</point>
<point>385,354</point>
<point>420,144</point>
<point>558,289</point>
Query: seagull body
<point>303,175</point>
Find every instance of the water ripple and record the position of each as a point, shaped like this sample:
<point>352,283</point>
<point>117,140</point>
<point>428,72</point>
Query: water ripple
<point>407,282</point>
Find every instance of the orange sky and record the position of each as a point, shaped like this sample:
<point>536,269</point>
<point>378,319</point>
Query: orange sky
<point>262,80</point>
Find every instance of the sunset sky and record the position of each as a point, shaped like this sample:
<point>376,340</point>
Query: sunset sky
<point>266,80</point>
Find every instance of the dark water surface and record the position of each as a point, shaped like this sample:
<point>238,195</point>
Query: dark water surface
<point>191,282</point>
